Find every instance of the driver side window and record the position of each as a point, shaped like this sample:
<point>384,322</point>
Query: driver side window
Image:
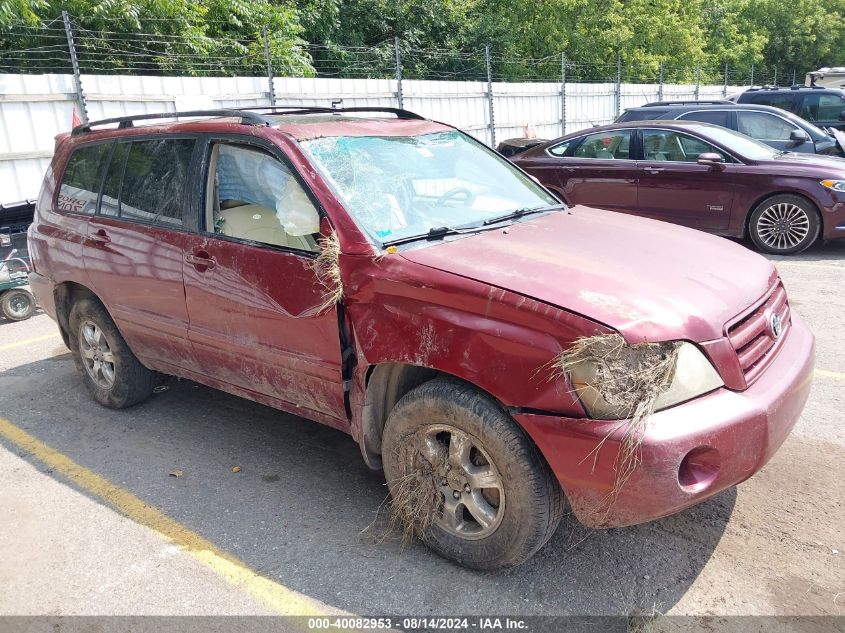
<point>253,196</point>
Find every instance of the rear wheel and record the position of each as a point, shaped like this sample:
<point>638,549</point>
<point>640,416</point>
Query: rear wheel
<point>112,374</point>
<point>483,496</point>
<point>784,225</point>
<point>17,304</point>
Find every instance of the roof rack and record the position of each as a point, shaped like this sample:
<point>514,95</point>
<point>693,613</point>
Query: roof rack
<point>246,118</point>
<point>303,109</point>
<point>687,102</point>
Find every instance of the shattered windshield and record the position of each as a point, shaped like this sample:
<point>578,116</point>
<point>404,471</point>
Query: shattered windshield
<point>402,186</point>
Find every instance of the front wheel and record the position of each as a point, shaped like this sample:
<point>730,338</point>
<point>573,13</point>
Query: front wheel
<point>784,225</point>
<point>17,304</point>
<point>466,479</point>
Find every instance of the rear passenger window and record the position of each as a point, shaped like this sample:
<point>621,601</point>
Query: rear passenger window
<point>605,146</point>
<point>154,180</point>
<point>782,101</point>
<point>716,117</point>
<point>81,180</point>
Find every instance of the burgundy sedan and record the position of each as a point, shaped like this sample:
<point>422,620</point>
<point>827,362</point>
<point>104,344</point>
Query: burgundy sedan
<point>702,176</point>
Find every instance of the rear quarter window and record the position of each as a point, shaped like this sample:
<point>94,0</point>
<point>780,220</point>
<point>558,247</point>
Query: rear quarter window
<point>647,114</point>
<point>81,179</point>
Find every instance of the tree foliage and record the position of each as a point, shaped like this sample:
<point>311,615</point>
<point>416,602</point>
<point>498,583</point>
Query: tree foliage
<point>439,38</point>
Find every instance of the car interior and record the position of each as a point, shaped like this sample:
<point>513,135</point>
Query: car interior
<point>252,196</point>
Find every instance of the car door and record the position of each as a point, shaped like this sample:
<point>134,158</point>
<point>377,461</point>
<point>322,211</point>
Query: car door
<point>773,130</point>
<point>133,249</point>
<point>596,170</point>
<point>258,314</point>
<point>672,186</point>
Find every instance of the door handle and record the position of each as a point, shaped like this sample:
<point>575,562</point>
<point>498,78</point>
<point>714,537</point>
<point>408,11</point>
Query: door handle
<point>654,170</point>
<point>201,261</point>
<point>100,236</point>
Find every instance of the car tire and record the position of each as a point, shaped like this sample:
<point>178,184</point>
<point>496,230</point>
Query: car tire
<point>519,516</point>
<point>17,304</point>
<point>784,225</point>
<point>111,372</point>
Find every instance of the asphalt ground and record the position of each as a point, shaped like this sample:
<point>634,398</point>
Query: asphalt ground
<point>92,522</point>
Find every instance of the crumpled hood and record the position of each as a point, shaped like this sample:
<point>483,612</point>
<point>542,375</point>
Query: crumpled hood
<point>649,280</point>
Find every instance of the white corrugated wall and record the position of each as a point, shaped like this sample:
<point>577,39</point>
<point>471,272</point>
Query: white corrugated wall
<point>34,108</point>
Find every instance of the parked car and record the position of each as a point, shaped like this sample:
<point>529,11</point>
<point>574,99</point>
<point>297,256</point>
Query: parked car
<point>824,107</point>
<point>773,126</point>
<point>700,175</point>
<point>393,278</point>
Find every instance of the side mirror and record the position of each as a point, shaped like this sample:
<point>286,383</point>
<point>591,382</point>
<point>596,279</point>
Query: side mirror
<point>799,136</point>
<point>842,115</point>
<point>711,159</point>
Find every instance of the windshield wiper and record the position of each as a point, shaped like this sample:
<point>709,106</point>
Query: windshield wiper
<point>518,213</point>
<point>434,233</point>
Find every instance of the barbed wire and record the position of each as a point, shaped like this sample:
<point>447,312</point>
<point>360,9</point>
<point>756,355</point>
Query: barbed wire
<point>155,49</point>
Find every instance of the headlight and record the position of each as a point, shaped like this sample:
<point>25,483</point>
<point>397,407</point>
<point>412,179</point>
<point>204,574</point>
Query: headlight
<point>693,376</point>
<point>836,185</point>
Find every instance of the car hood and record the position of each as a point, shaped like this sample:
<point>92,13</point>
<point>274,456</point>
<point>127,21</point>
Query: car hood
<point>812,164</point>
<point>649,280</point>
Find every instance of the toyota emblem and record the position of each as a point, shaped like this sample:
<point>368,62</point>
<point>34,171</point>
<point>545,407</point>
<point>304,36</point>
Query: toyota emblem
<point>775,325</point>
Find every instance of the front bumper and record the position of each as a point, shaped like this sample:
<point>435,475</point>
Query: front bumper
<point>689,452</point>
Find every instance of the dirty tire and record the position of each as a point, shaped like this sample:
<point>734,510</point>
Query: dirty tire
<point>131,382</point>
<point>532,502</point>
<point>784,225</point>
<point>17,305</point>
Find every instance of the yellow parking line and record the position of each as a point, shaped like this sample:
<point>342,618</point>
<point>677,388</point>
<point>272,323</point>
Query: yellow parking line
<point>826,373</point>
<point>27,341</point>
<point>275,596</point>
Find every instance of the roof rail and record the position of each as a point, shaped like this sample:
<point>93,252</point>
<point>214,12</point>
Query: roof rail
<point>304,109</point>
<point>246,117</point>
<point>687,102</point>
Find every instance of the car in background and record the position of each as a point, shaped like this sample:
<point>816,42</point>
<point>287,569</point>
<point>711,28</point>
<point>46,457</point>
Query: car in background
<point>773,126</point>
<point>824,107</point>
<point>700,175</point>
<point>396,279</point>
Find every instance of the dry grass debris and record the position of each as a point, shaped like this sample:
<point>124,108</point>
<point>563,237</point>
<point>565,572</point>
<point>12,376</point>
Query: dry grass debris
<point>628,378</point>
<point>327,269</point>
<point>415,499</point>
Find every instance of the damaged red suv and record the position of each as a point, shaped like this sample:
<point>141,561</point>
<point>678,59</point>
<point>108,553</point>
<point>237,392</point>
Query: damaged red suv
<point>496,352</point>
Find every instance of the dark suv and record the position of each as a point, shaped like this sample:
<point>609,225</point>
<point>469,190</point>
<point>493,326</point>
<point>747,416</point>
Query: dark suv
<point>394,278</point>
<point>823,106</point>
<point>774,127</point>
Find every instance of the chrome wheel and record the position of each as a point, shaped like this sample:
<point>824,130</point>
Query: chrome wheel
<point>783,226</point>
<point>96,354</point>
<point>472,498</point>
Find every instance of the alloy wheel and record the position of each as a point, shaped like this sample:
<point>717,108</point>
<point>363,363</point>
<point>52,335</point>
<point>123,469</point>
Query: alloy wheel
<point>472,498</point>
<point>96,354</point>
<point>783,226</point>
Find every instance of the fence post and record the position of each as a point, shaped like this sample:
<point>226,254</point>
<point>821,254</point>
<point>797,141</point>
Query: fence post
<point>399,96</point>
<point>270,84</point>
<point>618,84</point>
<point>793,76</point>
<point>776,76</point>
<point>660,84</point>
<point>490,95</point>
<point>725,88</point>
<point>562,94</point>
<point>698,81</point>
<point>752,75</point>
<point>74,61</point>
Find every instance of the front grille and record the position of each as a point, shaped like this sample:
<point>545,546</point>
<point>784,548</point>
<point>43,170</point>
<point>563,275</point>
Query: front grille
<point>752,334</point>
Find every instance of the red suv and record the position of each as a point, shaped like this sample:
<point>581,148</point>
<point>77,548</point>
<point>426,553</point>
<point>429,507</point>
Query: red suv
<point>495,351</point>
